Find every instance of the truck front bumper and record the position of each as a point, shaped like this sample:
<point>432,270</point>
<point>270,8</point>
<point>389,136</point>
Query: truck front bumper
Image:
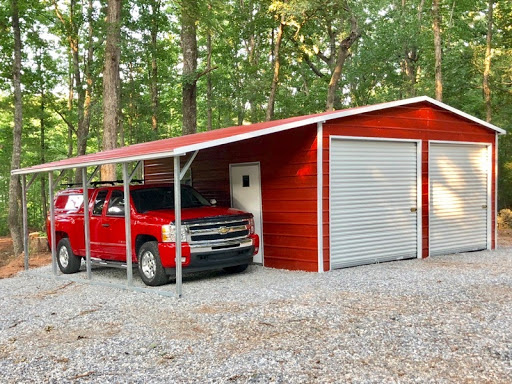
<point>216,260</point>
<point>200,257</point>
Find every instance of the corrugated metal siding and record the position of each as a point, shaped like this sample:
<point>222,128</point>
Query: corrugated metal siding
<point>373,188</point>
<point>159,171</point>
<point>458,198</point>
<point>288,180</point>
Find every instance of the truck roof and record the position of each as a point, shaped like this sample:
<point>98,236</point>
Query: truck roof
<point>72,191</point>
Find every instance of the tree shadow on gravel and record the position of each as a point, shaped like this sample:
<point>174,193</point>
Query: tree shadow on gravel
<point>110,273</point>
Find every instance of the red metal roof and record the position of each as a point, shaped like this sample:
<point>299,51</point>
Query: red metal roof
<point>183,144</point>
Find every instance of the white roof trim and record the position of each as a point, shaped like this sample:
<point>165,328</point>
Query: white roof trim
<point>178,151</point>
<point>124,159</point>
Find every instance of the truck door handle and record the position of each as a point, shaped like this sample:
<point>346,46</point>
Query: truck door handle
<point>105,225</point>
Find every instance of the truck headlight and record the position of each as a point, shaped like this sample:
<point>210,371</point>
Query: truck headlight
<point>251,226</point>
<point>169,233</point>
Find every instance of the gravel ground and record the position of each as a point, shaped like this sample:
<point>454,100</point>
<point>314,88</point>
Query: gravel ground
<point>440,320</point>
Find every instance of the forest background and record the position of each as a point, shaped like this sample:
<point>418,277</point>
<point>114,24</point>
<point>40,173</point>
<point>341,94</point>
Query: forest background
<point>80,76</point>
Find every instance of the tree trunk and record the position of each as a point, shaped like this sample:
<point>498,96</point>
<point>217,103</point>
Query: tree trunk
<point>487,64</point>
<point>209,86</point>
<point>438,50</point>
<point>75,44</point>
<point>411,53</point>
<point>189,15</point>
<point>343,53</point>
<point>85,121</point>
<point>70,109</point>
<point>72,28</point>
<point>131,105</point>
<point>84,100</point>
<point>275,79</point>
<point>155,10</point>
<point>111,84</point>
<point>14,184</point>
<point>42,132</point>
<point>83,96</point>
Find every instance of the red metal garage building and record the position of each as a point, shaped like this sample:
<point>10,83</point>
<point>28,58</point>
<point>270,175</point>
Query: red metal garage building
<point>397,180</point>
<point>404,179</point>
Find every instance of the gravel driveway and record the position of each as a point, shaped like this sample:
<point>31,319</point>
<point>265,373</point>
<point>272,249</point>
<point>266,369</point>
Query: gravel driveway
<point>445,319</point>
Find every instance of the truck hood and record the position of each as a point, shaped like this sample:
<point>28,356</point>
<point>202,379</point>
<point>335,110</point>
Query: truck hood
<point>167,215</point>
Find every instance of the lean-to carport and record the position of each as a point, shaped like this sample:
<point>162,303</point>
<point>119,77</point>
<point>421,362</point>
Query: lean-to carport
<point>173,147</point>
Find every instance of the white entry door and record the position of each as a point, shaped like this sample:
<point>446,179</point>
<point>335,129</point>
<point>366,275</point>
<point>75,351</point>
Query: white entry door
<point>246,195</point>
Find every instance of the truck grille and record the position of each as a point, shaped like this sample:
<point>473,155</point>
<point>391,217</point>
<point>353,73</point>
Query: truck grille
<point>212,233</point>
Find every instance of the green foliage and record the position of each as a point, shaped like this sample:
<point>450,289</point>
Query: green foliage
<point>243,36</point>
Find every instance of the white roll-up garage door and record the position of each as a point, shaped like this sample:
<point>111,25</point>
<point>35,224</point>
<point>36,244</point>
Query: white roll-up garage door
<point>458,197</point>
<point>373,201</point>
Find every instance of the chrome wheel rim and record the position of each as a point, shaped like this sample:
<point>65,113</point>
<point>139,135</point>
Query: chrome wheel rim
<point>63,257</point>
<point>148,264</point>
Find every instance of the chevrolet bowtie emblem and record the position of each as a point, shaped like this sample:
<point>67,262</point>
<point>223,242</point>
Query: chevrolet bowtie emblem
<point>223,230</point>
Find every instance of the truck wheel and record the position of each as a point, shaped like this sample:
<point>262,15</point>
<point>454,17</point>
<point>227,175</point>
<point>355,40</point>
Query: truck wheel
<point>68,262</point>
<point>236,268</point>
<point>150,267</point>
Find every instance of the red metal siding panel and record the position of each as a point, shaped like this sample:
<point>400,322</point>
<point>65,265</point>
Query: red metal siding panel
<point>158,171</point>
<point>420,122</point>
<point>325,200</point>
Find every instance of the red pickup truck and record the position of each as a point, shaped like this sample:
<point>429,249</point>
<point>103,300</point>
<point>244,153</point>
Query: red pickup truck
<point>212,237</point>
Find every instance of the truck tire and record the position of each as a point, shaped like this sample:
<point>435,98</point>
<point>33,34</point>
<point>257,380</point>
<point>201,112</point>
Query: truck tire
<point>150,267</point>
<point>68,262</point>
<point>236,268</point>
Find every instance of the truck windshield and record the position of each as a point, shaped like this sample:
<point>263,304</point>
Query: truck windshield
<point>152,199</point>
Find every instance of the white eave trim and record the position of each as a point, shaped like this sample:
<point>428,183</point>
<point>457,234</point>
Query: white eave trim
<point>262,132</point>
<point>121,159</point>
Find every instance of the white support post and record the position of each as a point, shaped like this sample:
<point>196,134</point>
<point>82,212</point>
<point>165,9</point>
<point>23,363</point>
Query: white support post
<point>25,219</point>
<point>137,166</point>
<point>127,224</point>
<point>59,177</point>
<point>320,195</point>
<point>177,224</point>
<point>53,235</point>
<point>495,191</point>
<point>187,165</point>
<point>31,181</point>
<point>93,173</point>
<point>87,232</point>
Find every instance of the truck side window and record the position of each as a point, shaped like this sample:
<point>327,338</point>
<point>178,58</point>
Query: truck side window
<point>99,202</point>
<point>74,202</point>
<point>69,203</point>
<point>116,204</point>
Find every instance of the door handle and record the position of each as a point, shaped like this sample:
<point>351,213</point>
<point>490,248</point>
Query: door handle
<point>484,206</point>
<point>414,209</point>
<point>105,225</point>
